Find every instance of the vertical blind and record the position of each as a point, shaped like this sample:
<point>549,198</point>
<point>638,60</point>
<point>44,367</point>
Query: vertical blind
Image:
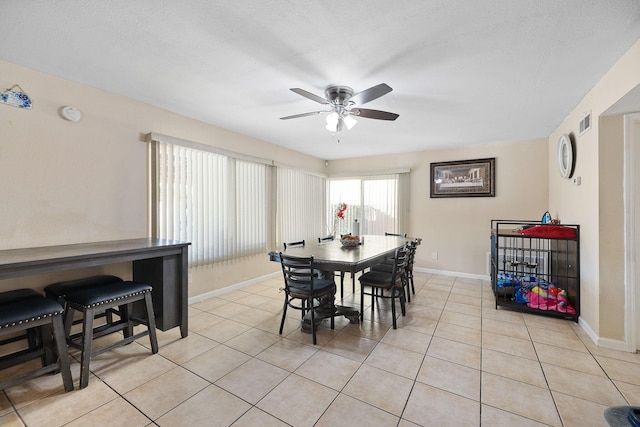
<point>229,207</point>
<point>377,202</point>
<point>300,206</point>
<point>216,202</point>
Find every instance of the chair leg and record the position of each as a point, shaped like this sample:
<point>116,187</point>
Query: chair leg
<point>87,336</point>
<point>151,323</point>
<point>361,301</point>
<point>284,312</point>
<point>313,321</point>
<point>63,354</point>
<point>406,284</point>
<point>393,308</point>
<point>413,287</point>
<point>342,285</point>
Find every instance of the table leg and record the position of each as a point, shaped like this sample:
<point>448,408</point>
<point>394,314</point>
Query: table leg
<point>327,308</point>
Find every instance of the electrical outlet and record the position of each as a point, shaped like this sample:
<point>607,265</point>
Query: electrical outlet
<point>434,255</point>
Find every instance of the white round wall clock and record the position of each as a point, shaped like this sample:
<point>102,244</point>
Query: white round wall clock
<point>566,156</point>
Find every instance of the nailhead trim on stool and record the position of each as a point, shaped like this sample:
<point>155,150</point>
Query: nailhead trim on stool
<point>87,299</point>
<point>27,310</point>
<point>58,291</point>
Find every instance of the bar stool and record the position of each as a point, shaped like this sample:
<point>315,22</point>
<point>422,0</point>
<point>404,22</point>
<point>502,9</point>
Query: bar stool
<point>25,314</point>
<point>58,291</point>
<point>94,298</point>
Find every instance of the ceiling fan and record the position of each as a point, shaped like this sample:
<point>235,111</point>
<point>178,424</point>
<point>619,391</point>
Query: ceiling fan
<point>344,105</point>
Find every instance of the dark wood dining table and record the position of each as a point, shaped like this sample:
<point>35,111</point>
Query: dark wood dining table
<point>330,256</point>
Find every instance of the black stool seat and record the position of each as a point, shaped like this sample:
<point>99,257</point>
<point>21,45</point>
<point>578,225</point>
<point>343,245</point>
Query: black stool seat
<point>28,309</point>
<point>58,291</point>
<point>104,295</point>
<point>39,320</point>
<point>94,296</point>
<point>16,295</point>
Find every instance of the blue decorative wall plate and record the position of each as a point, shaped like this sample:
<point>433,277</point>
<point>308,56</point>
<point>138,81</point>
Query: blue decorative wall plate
<point>16,97</point>
<point>546,218</point>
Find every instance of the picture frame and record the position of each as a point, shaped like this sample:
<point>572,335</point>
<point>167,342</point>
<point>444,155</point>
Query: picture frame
<point>464,178</point>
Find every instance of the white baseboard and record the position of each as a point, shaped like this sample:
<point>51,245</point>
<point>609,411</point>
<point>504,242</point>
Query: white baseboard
<point>614,344</point>
<point>585,327</point>
<point>233,287</point>
<point>241,285</point>
<point>452,273</point>
<point>609,343</point>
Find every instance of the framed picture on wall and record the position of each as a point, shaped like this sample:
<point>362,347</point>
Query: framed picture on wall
<point>464,178</point>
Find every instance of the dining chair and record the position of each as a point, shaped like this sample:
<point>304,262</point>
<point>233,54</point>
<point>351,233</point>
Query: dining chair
<point>393,282</point>
<point>301,243</point>
<point>290,244</point>
<point>395,234</point>
<point>413,246</point>
<point>302,285</point>
<point>388,264</point>
<point>340,274</point>
<point>353,275</point>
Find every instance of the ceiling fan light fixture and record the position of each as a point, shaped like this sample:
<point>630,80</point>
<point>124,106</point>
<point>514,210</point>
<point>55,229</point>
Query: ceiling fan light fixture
<point>336,122</point>
<point>349,122</point>
<point>343,104</point>
<point>332,122</point>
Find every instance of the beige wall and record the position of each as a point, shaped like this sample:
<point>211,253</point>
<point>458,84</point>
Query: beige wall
<point>597,204</point>
<point>611,227</point>
<point>64,182</point>
<point>458,229</point>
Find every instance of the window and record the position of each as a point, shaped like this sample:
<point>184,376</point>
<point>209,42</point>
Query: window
<point>300,206</point>
<point>216,202</point>
<point>228,205</point>
<point>377,202</point>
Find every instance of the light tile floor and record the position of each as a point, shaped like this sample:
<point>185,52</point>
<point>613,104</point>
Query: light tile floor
<point>454,360</point>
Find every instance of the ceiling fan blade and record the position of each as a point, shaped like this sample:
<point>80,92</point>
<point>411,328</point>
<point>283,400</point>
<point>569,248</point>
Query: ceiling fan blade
<point>370,94</point>
<point>374,114</point>
<point>295,116</point>
<point>309,95</point>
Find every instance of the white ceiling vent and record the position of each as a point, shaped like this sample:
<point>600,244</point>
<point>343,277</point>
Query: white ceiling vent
<point>585,123</point>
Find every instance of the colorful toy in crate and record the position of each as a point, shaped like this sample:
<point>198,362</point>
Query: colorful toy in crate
<point>549,299</point>
<point>506,279</point>
<point>521,295</point>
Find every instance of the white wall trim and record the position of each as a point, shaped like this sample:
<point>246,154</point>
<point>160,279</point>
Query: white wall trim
<point>234,287</point>
<point>620,345</point>
<point>613,344</point>
<point>630,305</point>
<point>587,329</point>
<point>453,273</point>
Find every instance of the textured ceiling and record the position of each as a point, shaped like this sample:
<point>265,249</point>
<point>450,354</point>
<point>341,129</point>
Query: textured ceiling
<point>463,72</point>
